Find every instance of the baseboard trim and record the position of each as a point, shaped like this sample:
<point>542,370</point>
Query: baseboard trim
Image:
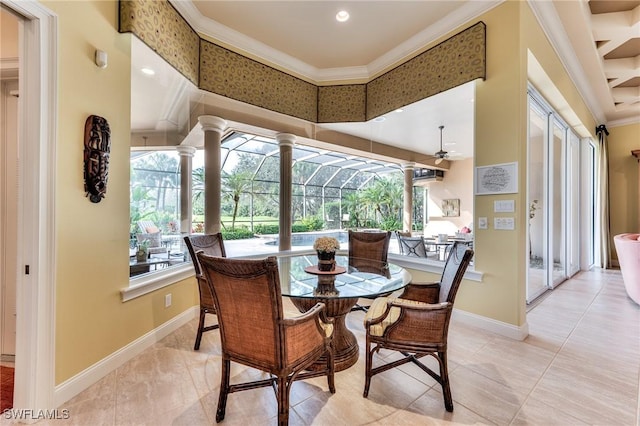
<point>489,324</point>
<point>81,381</point>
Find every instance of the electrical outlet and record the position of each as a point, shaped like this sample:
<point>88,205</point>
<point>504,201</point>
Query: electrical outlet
<point>167,300</point>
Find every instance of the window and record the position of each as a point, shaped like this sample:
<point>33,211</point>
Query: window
<point>154,233</point>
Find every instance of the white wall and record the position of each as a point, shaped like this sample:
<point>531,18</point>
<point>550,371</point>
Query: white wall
<point>457,184</point>
<point>8,180</point>
<point>8,214</point>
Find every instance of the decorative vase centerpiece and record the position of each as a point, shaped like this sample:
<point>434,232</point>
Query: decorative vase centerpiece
<point>326,248</point>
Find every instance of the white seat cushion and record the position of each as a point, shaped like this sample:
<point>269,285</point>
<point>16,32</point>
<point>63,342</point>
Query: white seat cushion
<point>378,307</point>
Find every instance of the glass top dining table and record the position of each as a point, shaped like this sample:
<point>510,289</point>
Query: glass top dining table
<point>339,291</point>
<point>369,279</point>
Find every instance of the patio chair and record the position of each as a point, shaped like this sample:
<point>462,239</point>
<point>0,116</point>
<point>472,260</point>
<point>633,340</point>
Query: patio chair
<point>412,246</point>
<point>401,234</point>
<point>416,324</point>
<point>153,242</point>
<point>211,245</point>
<point>254,331</point>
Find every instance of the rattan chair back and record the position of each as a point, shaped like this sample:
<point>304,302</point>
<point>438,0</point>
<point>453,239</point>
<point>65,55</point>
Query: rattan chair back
<point>364,246</point>
<point>254,331</point>
<point>250,300</point>
<point>212,245</point>
<point>453,273</point>
<point>209,244</point>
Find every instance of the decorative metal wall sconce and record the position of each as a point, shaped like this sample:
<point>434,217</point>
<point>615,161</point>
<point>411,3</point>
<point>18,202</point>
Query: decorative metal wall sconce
<point>97,146</point>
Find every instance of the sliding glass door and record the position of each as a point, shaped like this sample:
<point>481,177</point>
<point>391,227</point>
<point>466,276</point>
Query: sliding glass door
<point>553,197</point>
<point>557,229</point>
<point>537,282</point>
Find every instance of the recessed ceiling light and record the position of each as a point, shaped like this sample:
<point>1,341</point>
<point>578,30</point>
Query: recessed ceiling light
<point>379,119</point>
<point>399,110</point>
<point>148,71</point>
<point>342,16</point>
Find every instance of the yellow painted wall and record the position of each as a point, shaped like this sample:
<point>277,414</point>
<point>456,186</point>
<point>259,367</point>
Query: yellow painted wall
<point>92,239</point>
<point>91,263</point>
<point>623,181</point>
<point>8,35</point>
<point>501,137</point>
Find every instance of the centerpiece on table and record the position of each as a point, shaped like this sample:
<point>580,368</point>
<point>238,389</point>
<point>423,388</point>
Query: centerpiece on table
<point>326,248</point>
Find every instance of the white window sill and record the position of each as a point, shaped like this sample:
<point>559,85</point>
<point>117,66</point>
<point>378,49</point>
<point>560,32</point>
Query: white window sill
<point>146,283</point>
<point>433,266</point>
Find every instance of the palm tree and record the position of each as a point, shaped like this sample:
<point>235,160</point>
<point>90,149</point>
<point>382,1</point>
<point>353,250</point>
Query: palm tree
<point>235,184</point>
<point>384,197</point>
<point>197,183</point>
<point>354,206</point>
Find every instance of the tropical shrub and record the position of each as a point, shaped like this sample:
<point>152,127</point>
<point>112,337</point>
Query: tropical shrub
<point>266,229</point>
<point>238,233</point>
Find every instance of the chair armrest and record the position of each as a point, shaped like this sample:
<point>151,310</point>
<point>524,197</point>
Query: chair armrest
<point>375,307</point>
<point>406,304</point>
<point>305,334</point>
<point>316,311</point>
<point>422,292</point>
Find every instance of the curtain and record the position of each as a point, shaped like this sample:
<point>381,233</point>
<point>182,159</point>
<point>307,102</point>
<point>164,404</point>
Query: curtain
<point>603,197</point>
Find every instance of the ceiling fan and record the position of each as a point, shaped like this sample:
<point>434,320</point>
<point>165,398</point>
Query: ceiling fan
<point>441,155</point>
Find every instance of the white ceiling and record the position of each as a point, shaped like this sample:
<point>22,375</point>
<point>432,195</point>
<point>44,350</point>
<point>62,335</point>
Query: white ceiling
<point>304,38</point>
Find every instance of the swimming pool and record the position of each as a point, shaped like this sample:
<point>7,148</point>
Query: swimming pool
<point>299,239</point>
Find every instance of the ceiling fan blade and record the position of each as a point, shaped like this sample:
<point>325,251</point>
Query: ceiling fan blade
<point>439,160</point>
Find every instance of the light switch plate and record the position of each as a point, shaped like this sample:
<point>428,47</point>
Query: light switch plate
<point>483,223</point>
<point>504,223</point>
<point>504,206</point>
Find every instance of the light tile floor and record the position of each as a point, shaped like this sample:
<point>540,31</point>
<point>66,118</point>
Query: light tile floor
<point>580,365</point>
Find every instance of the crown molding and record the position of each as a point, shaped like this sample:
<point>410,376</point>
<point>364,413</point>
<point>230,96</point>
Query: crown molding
<point>417,43</point>
<point>256,49</point>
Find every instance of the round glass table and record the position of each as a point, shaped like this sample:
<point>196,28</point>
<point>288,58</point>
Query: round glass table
<point>339,291</point>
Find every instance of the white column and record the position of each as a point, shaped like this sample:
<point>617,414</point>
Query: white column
<point>213,128</point>
<point>407,210</point>
<point>186,190</point>
<point>286,141</point>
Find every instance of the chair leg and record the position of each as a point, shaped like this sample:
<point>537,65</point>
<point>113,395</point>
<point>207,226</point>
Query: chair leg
<point>283,401</point>
<point>367,368</point>
<point>444,375</point>
<point>200,328</point>
<point>330,374</point>
<point>224,389</point>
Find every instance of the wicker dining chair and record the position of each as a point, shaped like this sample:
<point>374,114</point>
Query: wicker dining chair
<point>368,253</point>
<point>254,331</point>
<point>416,324</point>
<point>212,245</point>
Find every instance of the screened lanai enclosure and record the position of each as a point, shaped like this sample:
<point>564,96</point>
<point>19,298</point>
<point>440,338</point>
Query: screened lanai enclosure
<point>331,190</point>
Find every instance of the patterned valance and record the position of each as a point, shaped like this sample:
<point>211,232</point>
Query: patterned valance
<point>453,62</point>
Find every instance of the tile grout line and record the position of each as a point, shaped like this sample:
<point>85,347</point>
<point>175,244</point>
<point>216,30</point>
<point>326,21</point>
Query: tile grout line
<point>573,329</point>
